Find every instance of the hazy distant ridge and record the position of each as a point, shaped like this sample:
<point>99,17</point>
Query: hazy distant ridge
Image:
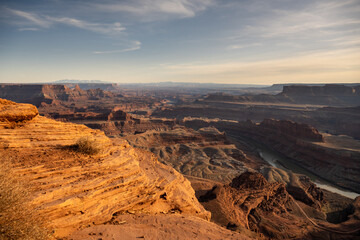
<point>64,81</point>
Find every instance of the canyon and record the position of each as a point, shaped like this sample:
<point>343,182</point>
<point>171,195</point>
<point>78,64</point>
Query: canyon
<point>75,191</point>
<point>325,155</point>
<point>174,159</point>
<point>249,201</point>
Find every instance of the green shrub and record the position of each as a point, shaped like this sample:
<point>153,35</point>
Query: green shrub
<point>18,219</point>
<point>86,146</point>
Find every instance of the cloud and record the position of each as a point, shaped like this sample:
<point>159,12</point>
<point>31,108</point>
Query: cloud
<point>94,27</point>
<point>44,21</point>
<point>28,29</point>
<point>158,9</point>
<point>297,27</point>
<point>31,17</point>
<point>344,41</point>
<point>136,45</point>
<point>321,66</point>
<point>241,46</point>
<point>307,19</point>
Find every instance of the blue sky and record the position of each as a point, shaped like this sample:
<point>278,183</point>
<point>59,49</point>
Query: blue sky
<point>222,41</point>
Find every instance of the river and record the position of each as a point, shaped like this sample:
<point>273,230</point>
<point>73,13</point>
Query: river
<point>275,159</point>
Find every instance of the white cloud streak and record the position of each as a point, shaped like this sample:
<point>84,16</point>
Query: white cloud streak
<point>158,9</point>
<point>317,16</point>
<point>28,29</point>
<point>241,46</point>
<point>334,65</point>
<point>44,21</point>
<point>136,45</point>
<point>321,24</point>
<point>31,17</point>
<point>94,27</point>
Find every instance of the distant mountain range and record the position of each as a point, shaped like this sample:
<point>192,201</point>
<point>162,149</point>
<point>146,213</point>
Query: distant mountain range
<point>192,85</point>
<point>75,81</point>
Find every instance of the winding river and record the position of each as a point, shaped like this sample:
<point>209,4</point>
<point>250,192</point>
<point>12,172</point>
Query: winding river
<point>275,159</point>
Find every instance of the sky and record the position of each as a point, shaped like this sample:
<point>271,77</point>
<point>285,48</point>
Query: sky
<point>213,41</point>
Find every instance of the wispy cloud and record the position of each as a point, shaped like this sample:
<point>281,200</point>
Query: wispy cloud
<point>290,24</point>
<point>310,67</point>
<point>344,41</point>
<point>30,17</point>
<point>94,27</point>
<point>318,24</point>
<point>136,45</point>
<point>28,29</point>
<point>317,16</point>
<point>158,9</point>
<point>44,21</point>
<point>241,46</point>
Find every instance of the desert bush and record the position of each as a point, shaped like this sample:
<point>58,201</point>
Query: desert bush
<point>87,146</point>
<point>18,219</point>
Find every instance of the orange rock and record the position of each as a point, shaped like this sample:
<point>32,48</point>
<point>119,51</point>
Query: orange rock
<point>12,112</point>
<point>75,190</point>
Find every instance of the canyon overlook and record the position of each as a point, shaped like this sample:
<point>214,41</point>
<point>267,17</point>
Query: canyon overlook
<point>180,120</point>
<point>303,145</point>
<point>175,160</point>
<point>74,190</point>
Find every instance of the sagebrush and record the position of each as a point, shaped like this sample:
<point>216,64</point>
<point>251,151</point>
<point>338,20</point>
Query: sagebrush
<point>86,145</point>
<point>18,219</point>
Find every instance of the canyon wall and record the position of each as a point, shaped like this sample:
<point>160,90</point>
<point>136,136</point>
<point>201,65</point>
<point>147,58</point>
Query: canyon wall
<point>48,93</point>
<point>328,95</point>
<point>326,90</point>
<point>301,144</point>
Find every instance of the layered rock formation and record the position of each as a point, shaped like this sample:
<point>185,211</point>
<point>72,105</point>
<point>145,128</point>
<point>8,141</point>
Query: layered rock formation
<point>251,202</point>
<point>74,190</point>
<point>334,158</point>
<point>47,93</point>
<point>344,120</point>
<point>330,108</point>
<point>237,201</point>
<point>310,150</point>
<point>291,129</point>
<point>112,87</point>
<point>326,90</point>
<point>82,106</point>
<point>206,153</point>
<point>129,126</point>
<point>97,108</point>
<point>14,113</point>
<point>329,94</point>
<point>301,188</point>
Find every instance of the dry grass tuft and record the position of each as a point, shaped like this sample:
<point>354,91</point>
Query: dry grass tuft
<point>18,219</point>
<point>87,146</point>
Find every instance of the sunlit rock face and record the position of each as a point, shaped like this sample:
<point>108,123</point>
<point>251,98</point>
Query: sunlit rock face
<point>75,190</point>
